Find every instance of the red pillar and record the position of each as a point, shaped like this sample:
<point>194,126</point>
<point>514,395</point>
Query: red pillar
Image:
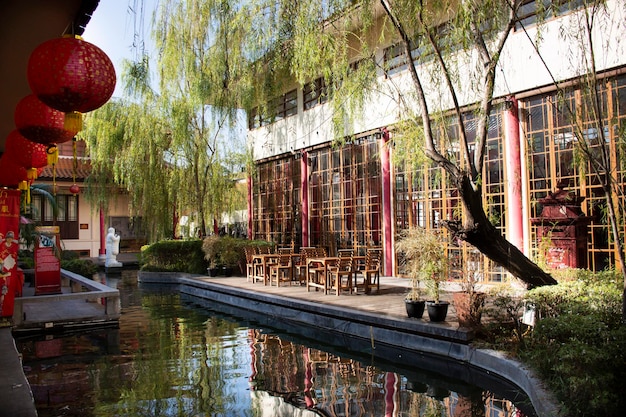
<point>514,212</point>
<point>249,184</point>
<point>102,251</point>
<point>386,198</point>
<point>304,192</point>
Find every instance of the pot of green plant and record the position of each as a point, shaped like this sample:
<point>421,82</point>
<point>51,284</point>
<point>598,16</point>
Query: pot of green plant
<point>437,309</point>
<point>421,257</point>
<point>415,308</point>
<point>469,302</point>
<point>434,263</point>
<point>210,247</point>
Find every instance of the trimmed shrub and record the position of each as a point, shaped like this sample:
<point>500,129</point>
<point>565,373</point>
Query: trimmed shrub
<point>578,345</point>
<point>173,256</point>
<point>84,267</point>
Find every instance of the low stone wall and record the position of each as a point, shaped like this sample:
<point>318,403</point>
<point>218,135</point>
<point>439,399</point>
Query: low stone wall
<point>445,351</point>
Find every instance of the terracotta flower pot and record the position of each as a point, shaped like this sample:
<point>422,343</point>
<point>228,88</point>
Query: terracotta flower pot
<point>469,308</point>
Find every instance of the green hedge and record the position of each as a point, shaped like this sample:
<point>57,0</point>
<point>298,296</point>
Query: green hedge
<point>84,267</point>
<point>578,345</point>
<point>174,256</point>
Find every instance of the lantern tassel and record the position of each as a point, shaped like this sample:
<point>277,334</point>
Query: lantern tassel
<point>52,154</point>
<point>25,186</point>
<point>73,122</point>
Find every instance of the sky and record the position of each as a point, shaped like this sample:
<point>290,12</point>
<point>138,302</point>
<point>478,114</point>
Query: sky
<point>112,29</point>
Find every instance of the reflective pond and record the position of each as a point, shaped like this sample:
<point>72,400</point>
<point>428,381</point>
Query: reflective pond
<point>174,355</point>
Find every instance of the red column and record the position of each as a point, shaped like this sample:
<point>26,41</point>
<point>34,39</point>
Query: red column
<point>102,251</point>
<point>386,198</point>
<point>514,212</point>
<point>249,184</point>
<point>304,192</point>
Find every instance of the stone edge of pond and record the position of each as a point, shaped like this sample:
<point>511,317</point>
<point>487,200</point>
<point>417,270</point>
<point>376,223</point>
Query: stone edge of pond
<point>406,334</point>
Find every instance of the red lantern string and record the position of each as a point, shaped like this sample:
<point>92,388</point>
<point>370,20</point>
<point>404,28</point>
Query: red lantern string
<point>71,75</point>
<point>25,152</point>
<point>11,174</point>
<point>41,123</point>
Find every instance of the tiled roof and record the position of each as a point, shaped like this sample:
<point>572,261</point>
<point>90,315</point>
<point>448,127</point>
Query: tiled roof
<point>65,169</point>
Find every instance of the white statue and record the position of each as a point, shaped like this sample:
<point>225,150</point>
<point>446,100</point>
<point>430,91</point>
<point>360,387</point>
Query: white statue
<point>112,249</point>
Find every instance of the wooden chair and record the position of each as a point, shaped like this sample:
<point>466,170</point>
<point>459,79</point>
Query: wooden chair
<point>249,251</point>
<point>336,275</point>
<point>282,270</point>
<point>285,250</point>
<point>371,272</point>
<point>316,272</point>
<point>300,267</point>
<point>345,253</point>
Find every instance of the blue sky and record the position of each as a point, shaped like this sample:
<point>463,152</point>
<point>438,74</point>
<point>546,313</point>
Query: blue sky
<point>112,29</point>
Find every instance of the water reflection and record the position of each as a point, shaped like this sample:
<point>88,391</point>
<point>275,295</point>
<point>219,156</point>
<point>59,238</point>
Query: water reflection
<point>170,357</point>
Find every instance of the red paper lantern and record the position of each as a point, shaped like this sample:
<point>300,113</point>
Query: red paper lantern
<point>11,174</point>
<point>24,152</point>
<point>74,189</point>
<point>41,123</point>
<point>71,75</point>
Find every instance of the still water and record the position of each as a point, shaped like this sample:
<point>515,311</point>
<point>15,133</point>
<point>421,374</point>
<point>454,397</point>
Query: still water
<point>178,356</point>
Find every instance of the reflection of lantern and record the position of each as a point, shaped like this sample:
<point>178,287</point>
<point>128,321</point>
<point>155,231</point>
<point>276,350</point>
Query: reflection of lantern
<point>71,75</point>
<point>25,152</point>
<point>41,123</point>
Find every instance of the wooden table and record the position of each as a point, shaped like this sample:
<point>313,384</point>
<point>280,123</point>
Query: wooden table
<point>325,262</point>
<point>260,264</point>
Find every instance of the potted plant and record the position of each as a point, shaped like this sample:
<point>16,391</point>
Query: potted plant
<point>469,302</point>
<point>211,249</point>
<point>428,262</point>
<point>408,248</point>
<point>231,255</point>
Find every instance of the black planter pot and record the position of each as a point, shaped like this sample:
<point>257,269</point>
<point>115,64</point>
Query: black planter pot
<point>213,271</point>
<point>437,311</point>
<point>415,309</point>
<point>227,272</point>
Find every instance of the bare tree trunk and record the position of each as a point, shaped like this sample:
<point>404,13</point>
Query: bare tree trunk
<point>479,232</point>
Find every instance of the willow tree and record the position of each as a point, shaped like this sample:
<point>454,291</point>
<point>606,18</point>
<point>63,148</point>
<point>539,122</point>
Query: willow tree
<point>170,143</point>
<point>337,40</point>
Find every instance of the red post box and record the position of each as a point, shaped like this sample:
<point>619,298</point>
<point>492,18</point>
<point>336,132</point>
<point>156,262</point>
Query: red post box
<point>564,224</point>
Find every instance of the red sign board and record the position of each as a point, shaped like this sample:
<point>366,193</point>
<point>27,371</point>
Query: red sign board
<point>9,235</point>
<point>47,262</point>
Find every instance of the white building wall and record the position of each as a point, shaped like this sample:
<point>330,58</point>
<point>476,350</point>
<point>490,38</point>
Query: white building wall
<point>520,70</point>
<point>89,224</point>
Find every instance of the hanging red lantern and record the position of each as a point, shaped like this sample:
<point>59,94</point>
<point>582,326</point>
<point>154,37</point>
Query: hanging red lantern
<point>71,75</point>
<point>11,174</point>
<point>74,189</point>
<point>41,123</point>
<point>24,152</point>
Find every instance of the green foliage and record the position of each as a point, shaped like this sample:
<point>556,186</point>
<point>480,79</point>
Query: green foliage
<point>424,259</point>
<point>598,294</point>
<point>578,345</point>
<point>174,256</point>
<point>85,267</point>
<point>583,360</point>
<point>228,251</point>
